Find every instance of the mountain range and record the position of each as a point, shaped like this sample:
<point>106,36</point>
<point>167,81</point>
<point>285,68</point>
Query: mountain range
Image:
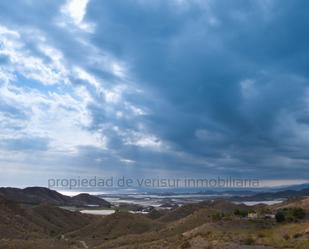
<point>213,224</point>
<point>39,195</point>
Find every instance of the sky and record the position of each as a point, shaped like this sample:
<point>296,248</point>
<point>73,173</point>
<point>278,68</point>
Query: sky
<point>154,88</point>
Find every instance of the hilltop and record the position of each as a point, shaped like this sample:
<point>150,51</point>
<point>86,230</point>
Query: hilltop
<point>284,194</point>
<point>300,202</point>
<point>39,195</point>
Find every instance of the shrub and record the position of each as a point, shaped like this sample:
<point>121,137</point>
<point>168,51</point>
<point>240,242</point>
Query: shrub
<point>297,235</point>
<point>290,214</point>
<point>261,235</point>
<point>241,213</point>
<point>299,213</point>
<point>280,217</point>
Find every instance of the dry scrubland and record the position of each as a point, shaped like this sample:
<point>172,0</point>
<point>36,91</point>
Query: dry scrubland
<point>218,224</point>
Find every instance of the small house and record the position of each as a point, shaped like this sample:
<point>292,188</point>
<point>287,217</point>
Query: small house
<point>252,215</point>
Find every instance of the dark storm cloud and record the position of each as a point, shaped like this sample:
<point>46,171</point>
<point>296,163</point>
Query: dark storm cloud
<point>224,84</point>
<point>196,56</point>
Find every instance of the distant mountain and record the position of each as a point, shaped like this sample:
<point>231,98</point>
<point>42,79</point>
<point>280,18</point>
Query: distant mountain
<point>39,195</point>
<point>295,187</point>
<point>189,209</point>
<point>87,199</point>
<point>34,195</point>
<point>274,195</point>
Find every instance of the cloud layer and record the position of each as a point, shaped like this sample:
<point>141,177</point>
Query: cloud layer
<point>159,88</point>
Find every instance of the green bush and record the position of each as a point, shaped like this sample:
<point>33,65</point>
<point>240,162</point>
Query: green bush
<point>280,216</point>
<point>290,214</point>
<point>299,213</point>
<point>241,213</point>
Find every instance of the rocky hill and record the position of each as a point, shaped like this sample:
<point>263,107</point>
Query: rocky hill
<point>39,195</point>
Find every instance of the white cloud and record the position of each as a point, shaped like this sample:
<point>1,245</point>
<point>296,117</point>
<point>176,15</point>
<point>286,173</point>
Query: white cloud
<point>74,11</point>
<point>144,140</point>
<point>134,110</point>
<point>114,95</point>
<point>25,63</point>
<point>127,161</point>
<point>118,70</point>
<point>83,75</point>
<point>60,114</point>
<point>61,117</point>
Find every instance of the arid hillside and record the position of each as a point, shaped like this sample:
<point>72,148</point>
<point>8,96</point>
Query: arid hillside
<point>39,195</point>
<point>210,224</point>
